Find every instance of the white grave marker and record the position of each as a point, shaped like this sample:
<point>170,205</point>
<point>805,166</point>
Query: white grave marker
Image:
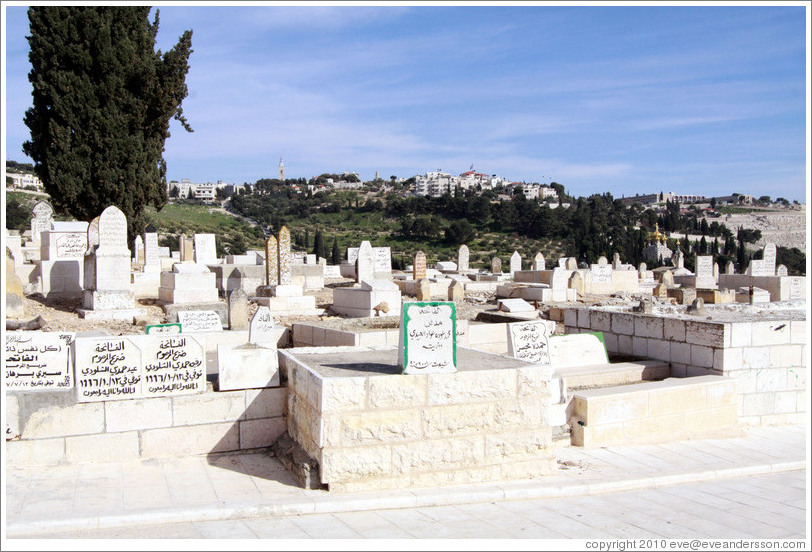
<point>199,321</point>
<point>107,368</point>
<point>528,341</point>
<point>173,365</point>
<point>428,340</point>
<point>262,330</point>
<point>205,249</point>
<point>39,361</point>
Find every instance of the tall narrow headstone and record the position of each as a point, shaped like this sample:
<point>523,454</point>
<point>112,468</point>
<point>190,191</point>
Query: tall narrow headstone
<point>284,257</point>
<point>616,261</point>
<point>271,262</point>
<point>462,258</point>
<point>730,268</point>
<point>515,263</point>
<point>455,291</point>
<point>538,262</point>
<point>41,222</point>
<point>679,259</point>
<point>572,263</point>
<point>90,254</point>
<point>768,256</point>
<point>365,263</point>
<point>419,266</point>
<point>152,256</point>
<point>138,244</point>
<point>187,249</point>
<point>704,272</point>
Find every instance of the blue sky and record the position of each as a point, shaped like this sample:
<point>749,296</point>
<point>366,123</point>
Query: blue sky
<point>627,99</point>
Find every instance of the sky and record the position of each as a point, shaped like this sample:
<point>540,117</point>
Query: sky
<point>626,99</point>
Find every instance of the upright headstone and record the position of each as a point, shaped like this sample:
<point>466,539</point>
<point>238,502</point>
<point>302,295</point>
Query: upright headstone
<point>263,331</point>
<point>704,272</point>
<point>365,263</point>
<point>455,291</point>
<point>528,341</point>
<point>781,270</point>
<point>496,265</point>
<point>768,256</point>
<point>423,291</point>
<point>428,338</point>
<point>572,263</point>
<point>152,254</point>
<point>602,261</point>
<point>667,279</point>
<point>138,244</point>
<point>538,262</point>
<point>419,266</point>
<point>515,263</point>
<point>237,310</point>
<point>187,249</point>
<point>382,262</point>
<point>271,262</point>
<point>616,262</point>
<point>462,258</point>
<point>716,272</point>
<point>284,257</point>
<point>577,282</point>
<point>90,254</point>
<point>41,222</point>
<point>679,259</point>
<point>205,249</point>
<point>730,268</point>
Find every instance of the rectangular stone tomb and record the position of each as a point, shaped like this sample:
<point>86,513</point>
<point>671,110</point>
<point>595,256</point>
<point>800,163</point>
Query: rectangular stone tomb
<point>370,427</point>
<point>39,361</point>
<point>138,366</point>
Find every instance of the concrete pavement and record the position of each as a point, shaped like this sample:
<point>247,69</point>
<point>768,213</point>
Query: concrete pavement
<point>252,494</point>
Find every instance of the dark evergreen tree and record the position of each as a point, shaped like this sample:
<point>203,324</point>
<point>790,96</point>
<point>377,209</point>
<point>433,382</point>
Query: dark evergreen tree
<point>319,247</point>
<point>335,256</point>
<point>103,99</point>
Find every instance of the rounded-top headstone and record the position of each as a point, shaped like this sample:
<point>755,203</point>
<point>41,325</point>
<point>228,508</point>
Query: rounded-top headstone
<point>419,266</point>
<point>602,261</point>
<point>463,256</point>
<point>113,231</point>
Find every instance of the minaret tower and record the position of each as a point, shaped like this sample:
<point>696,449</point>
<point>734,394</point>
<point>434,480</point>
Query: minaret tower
<point>281,169</point>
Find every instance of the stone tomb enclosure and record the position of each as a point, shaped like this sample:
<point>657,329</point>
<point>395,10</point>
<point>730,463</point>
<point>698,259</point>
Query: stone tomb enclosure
<point>370,427</point>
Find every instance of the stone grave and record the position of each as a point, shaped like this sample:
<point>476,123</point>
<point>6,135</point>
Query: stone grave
<point>538,262</point>
<point>463,256</point>
<point>283,297</point>
<point>381,264</point>
<point>367,299</point>
<point>237,310</point>
<point>41,221</point>
<point>110,295</point>
<point>419,266</point>
<point>496,265</point>
<point>61,264</point>
<point>428,338</point>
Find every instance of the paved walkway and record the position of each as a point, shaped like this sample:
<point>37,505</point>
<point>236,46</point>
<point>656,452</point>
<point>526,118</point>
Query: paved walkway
<point>253,495</point>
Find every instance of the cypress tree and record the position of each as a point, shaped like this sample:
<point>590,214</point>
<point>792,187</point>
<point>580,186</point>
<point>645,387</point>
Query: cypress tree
<point>336,253</point>
<point>102,102</point>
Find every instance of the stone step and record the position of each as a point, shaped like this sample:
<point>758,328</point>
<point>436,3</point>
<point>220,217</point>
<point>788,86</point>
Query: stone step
<point>611,374</point>
<point>655,412</point>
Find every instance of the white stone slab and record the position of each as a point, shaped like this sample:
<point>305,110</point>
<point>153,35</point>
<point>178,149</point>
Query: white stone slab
<point>172,365</point>
<point>379,285</point>
<point>107,368</point>
<point>205,249</point>
<point>263,330</point>
<point>584,349</point>
<point>445,265</point>
<point>190,268</point>
<point>428,341</point>
<point>515,305</point>
<point>199,321</point>
<point>529,341</point>
<point>39,361</point>
<point>246,367</point>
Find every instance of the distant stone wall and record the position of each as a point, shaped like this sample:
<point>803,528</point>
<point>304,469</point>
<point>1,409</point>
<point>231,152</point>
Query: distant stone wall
<point>768,358</point>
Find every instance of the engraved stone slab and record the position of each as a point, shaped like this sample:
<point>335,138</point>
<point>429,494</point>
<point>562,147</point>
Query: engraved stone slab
<point>271,262</point>
<point>199,321</point>
<point>796,288</point>
<point>263,331</point>
<point>584,349</point>
<point>496,265</point>
<point>529,341</point>
<point>173,328</point>
<point>107,368</point>
<point>246,367</point>
<point>419,266</point>
<point>769,256</point>
<point>152,253</point>
<point>71,246</point>
<point>515,305</point>
<point>428,340</point>
<point>172,365</point>
<point>284,257</point>
<point>602,274</point>
<point>41,221</point>
<point>365,263</point>
<point>39,361</point>
<point>112,232</point>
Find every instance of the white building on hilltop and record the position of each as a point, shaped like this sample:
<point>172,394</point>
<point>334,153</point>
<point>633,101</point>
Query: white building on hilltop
<point>21,180</point>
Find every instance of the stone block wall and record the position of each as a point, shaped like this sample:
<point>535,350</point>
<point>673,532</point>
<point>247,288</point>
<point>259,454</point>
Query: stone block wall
<point>51,429</point>
<point>394,431</point>
<point>769,358</point>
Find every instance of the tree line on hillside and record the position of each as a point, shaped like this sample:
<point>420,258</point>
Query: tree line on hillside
<point>589,228</point>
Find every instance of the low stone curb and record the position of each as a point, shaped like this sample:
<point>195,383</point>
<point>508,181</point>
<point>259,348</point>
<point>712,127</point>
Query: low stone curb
<point>421,498</point>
